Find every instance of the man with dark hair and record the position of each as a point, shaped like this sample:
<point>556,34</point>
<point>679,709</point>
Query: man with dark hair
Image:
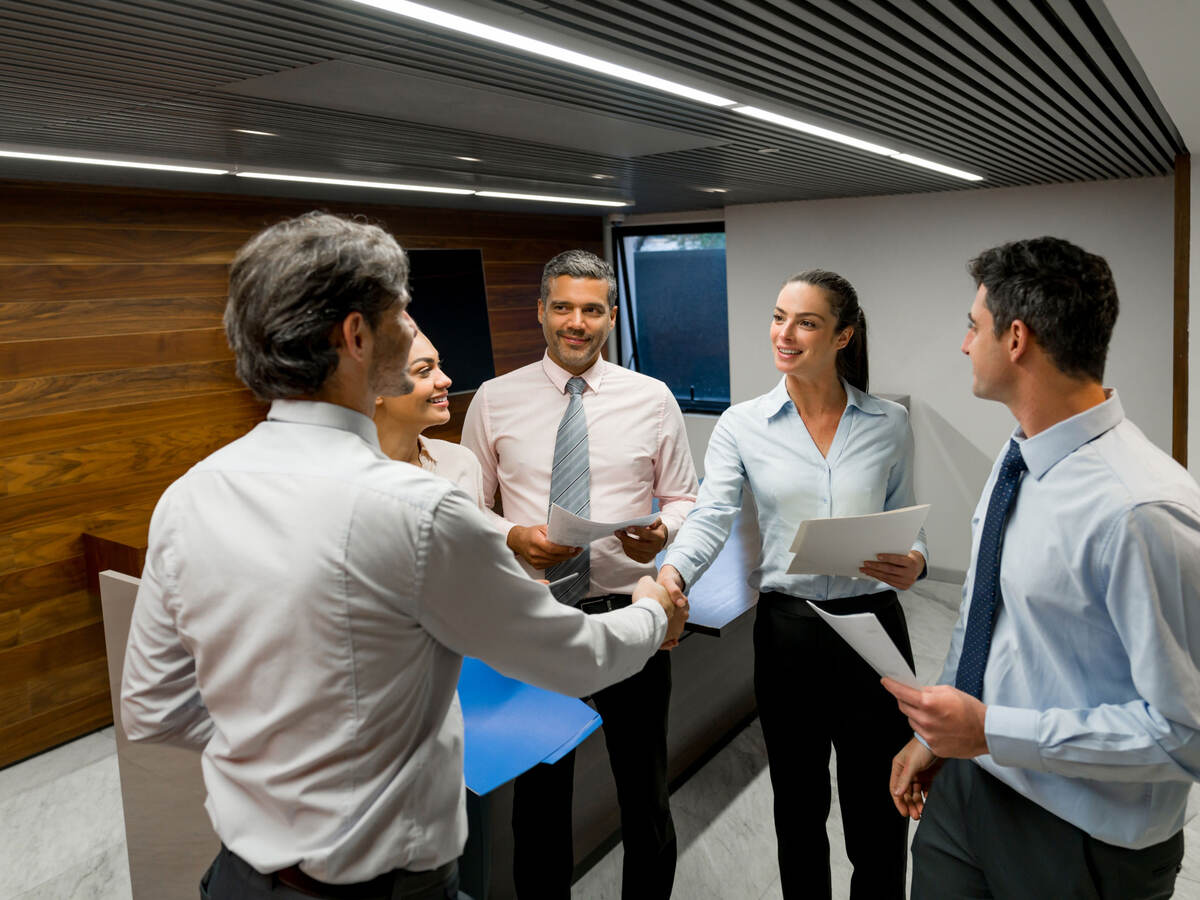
<point>306,601</point>
<point>1065,731</point>
<point>601,441</point>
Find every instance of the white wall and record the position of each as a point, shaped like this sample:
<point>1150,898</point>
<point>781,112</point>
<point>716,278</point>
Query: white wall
<point>1163,36</point>
<point>907,256</point>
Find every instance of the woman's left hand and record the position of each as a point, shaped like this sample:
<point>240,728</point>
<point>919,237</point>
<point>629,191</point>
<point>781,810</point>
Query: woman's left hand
<point>901,572</point>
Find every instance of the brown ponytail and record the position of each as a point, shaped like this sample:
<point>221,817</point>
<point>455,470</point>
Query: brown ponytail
<point>843,303</point>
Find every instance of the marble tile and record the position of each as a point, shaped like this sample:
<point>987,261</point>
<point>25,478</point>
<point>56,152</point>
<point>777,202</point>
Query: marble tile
<point>50,828</point>
<point>56,763</point>
<point>102,877</point>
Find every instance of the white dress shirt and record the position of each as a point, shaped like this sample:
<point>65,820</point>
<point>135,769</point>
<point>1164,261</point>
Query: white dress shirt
<point>637,447</point>
<point>453,462</point>
<point>304,610</point>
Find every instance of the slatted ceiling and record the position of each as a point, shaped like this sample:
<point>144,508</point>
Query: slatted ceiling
<point>1021,91</point>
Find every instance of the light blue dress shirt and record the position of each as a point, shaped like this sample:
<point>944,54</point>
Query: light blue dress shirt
<point>1093,682</point>
<point>765,444</point>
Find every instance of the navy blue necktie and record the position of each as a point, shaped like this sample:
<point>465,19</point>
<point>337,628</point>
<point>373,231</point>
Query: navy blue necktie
<point>977,640</point>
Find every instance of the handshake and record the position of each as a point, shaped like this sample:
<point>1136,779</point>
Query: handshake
<point>668,593</point>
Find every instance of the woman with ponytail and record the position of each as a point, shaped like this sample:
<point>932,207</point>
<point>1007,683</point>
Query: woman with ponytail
<point>817,445</point>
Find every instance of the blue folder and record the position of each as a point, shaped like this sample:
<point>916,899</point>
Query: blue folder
<point>511,726</point>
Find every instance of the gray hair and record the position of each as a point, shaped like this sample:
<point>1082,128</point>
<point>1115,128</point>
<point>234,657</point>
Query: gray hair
<point>579,264</point>
<point>291,284</point>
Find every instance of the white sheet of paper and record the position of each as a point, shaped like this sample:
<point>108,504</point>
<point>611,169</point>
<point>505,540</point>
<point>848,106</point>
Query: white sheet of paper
<point>571,530</point>
<point>863,632</point>
<point>839,546</point>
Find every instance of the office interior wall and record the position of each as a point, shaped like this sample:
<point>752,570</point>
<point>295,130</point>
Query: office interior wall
<point>1194,328</point>
<point>906,256</point>
<point>115,378</point>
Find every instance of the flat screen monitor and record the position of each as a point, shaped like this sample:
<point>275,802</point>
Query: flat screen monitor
<point>449,303</point>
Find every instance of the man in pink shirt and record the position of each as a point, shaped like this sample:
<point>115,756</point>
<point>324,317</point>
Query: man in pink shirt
<point>605,441</point>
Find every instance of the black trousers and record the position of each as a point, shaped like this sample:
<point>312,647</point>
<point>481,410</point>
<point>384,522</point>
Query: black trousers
<point>635,732</point>
<point>815,692</point>
<point>979,838</point>
<point>232,878</point>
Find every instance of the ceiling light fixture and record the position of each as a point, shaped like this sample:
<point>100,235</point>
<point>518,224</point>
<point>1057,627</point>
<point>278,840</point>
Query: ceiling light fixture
<point>119,163</point>
<point>715,190</point>
<point>838,137</point>
<point>252,131</point>
<point>541,48</point>
<point>583,201</point>
<point>600,177</point>
<point>347,182</point>
<point>469,158</point>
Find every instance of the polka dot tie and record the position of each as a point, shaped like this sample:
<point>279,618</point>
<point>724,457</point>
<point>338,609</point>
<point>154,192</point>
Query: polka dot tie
<point>977,640</point>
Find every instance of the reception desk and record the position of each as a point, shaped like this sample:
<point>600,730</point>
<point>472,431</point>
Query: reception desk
<point>170,841</point>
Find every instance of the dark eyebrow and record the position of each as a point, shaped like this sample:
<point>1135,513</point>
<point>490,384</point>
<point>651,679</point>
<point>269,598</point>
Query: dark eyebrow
<point>802,315</point>
<point>423,359</point>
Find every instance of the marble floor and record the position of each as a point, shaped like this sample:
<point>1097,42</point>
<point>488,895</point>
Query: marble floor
<point>62,829</point>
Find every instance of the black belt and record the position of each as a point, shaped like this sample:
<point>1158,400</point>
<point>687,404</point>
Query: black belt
<point>384,885</point>
<point>841,606</point>
<point>605,603</point>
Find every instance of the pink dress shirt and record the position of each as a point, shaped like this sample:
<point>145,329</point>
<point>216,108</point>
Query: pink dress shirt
<point>637,445</point>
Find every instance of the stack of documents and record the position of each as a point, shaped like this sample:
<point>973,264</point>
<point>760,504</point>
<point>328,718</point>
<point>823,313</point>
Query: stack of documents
<point>840,546</point>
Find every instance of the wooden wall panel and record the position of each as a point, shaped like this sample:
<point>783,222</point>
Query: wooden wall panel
<point>115,378</point>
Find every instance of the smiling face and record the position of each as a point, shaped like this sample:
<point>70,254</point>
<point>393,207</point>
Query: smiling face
<point>428,403</point>
<point>990,365</point>
<point>576,321</point>
<point>804,336</point>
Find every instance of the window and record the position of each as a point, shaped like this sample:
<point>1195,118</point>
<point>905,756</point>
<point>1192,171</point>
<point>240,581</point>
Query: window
<point>672,324</point>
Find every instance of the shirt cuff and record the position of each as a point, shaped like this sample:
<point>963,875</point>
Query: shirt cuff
<point>1012,737</point>
<point>659,614</point>
<point>924,743</point>
<point>923,549</point>
<point>680,562</point>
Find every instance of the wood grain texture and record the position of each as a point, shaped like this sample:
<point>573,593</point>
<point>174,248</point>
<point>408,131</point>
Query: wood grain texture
<point>60,319</point>
<point>36,284</point>
<point>80,355</point>
<point>115,378</point>
<point>23,397</point>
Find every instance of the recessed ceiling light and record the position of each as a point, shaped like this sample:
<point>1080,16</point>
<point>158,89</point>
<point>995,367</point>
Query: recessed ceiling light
<point>768,149</point>
<point>583,201</point>
<point>468,158</point>
<point>119,163</point>
<point>715,190</point>
<point>541,48</point>
<point>252,131</point>
<point>838,137</point>
<point>348,182</point>
<point>600,177</point>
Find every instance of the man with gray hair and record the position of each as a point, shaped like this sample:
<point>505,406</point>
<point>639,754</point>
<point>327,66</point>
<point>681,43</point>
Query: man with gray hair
<point>602,442</point>
<point>306,601</point>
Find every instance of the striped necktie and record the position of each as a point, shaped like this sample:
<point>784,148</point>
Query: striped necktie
<point>570,488</point>
<point>985,600</point>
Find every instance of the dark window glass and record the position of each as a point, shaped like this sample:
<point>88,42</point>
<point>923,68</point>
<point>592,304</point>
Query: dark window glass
<point>673,323</point>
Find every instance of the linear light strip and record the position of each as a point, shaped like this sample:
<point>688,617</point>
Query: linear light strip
<point>346,182</point>
<point>392,186</point>
<point>119,163</point>
<point>542,48</point>
<point>816,130</point>
<point>544,198</point>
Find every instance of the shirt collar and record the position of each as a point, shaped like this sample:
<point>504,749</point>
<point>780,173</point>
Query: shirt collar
<point>325,415</point>
<point>559,376</point>
<point>1047,448</point>
<point>777,399</point>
